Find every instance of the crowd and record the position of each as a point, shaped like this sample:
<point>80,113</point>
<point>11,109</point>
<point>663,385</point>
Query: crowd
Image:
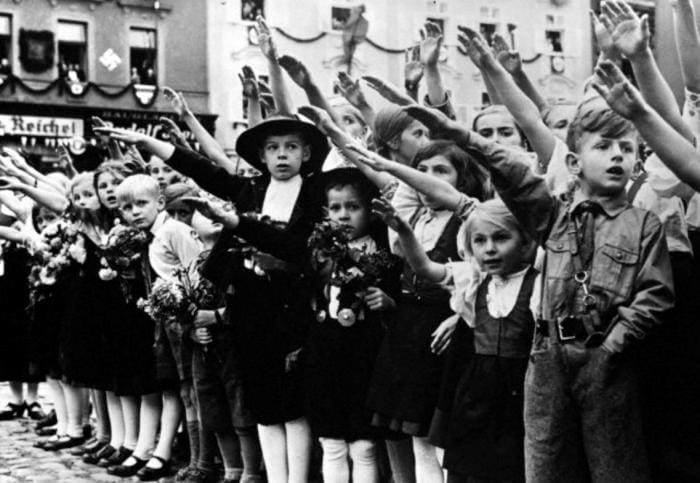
<point>397,297</point>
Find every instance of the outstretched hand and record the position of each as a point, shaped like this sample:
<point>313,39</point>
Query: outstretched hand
<point>387,91</point>
<point>388,214</point>
<point>430,44</point>
<point>9,183</point>
<point>216,212</point>
<point>618,92</point>
<point>630,34</point>
<point>17,159</point>
<point>509,59</point>
<point>370,158</point>
<point>319,117</point>
<point>177,101</point>
<point>249,83</point>
<point>351,90</point>
<point>474,45</point>
<point>440,125</point>
<point>603,37</point>
<point>267,43</point>
<point>120,134</point>
<point>296,70</point>
<point>175,135</point>
<point>413,69</point>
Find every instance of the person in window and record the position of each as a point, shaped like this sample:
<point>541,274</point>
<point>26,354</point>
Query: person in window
<point>135,77</point>
<point>5,67</point>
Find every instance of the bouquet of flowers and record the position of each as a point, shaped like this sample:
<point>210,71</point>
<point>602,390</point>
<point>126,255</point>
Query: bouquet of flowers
<point>60,248</point>
<point>353,269</point>
<point>121,254</point>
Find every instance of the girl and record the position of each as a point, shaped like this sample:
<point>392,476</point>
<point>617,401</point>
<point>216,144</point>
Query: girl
<point>496,124</point>
<point>404,389</point>
<point>341,354</point>
<point>492,293</point>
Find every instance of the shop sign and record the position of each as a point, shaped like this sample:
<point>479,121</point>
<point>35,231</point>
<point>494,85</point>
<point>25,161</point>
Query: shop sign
<point>41,126</point>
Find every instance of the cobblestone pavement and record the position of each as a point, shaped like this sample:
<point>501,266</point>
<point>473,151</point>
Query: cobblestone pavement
<point>22,463</point>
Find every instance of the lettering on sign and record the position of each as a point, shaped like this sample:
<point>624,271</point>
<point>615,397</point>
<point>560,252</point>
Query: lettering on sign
<point>58,127</point>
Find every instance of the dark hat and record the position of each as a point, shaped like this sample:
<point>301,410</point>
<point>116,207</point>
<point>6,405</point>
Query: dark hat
<point>175,192</point>
<point>251,140</point>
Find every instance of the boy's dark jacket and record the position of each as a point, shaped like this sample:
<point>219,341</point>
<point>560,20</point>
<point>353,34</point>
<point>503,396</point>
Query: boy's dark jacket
<point>281,298</point>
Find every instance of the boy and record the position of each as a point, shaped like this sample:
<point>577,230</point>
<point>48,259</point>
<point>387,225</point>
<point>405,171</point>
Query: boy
<point>173,247</point>
<point>606,284</point>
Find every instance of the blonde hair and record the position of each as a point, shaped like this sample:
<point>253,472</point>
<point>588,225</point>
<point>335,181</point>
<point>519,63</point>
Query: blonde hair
<point>84,177</point>
<point>135,185</point>
<point>496,212</point>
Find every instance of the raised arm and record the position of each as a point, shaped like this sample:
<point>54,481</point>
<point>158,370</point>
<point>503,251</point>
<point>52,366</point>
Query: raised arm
<point>412,251</point>
<point>673,149</point>
<point>22,170</point>
<point>252,94</point>
<point>342,140</point>
<point>49,198</point>
<point>352,92</point>
<point>388,91</point>
<point>687,42</point>
<point>465,36</point>
<point>511,62</point>
<point>279,89</point>
<point>430,46</point>
<point>525,112</point>
<point>209,145</point>
<point>631,36</point>
<point>438,189</point>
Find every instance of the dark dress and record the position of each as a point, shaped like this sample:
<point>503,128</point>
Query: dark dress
<point>269,314</point>
<point>83,343</point>
<point>406,381</point>
<point>14,318</point>
<point>486,429</point>
<point>340,363</point>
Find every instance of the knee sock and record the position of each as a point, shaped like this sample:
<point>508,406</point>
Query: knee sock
<point>207,449</point>
<point>401,460</point>
<point>170,418</point>
<point>99,401</point>
<point>273,441</point>
<point>335,466</point>
<point>428,467</point>
<point>250,450</point>
<point>32,392</point>
<point>74,405</point>
<point>130,410</point>
<point>364,461</point>
<point>116,420</point>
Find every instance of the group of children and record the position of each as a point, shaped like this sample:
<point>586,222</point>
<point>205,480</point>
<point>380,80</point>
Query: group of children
<point>415,299</point>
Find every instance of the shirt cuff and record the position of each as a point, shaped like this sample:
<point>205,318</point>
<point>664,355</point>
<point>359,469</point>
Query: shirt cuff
<point>445,106</point>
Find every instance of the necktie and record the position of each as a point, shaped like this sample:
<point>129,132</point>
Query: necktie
<point>586,212</point>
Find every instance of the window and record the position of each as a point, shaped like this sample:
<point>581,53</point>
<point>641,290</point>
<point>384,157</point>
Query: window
<point>488,30</point>
<point>72,50</point>
<point>5,44</point>
<point>144,55</point>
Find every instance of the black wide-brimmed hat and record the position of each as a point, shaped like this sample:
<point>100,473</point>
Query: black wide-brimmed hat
<point>250,142</point>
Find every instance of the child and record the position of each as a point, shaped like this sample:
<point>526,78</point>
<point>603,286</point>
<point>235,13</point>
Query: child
<point>173,247</point>
<point>342,352</point>
<point>271,312</point>
<point>606,284</point>
<point>485,426</point>
<point>405,386</point>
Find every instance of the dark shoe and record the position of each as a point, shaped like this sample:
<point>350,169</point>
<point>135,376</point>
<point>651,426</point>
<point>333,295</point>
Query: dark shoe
<point>125,471</point>
<point>35,411</point>
<point>92,446</point>
<point>12,411</point>
<point>46,431</point>
<point>49,420</point>
<point>87,431</point>
<point>44,442</point>
<point>64,443</point>
<point>94,457</point>
<point>195,475</point>
<point>116,458</point>
<point>154,474</point>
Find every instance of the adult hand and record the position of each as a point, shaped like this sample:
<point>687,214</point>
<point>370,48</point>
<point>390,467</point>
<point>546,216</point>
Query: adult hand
<point>441,338</point>
<point>630,34</point>
<point>370,158</point>
<point>384,209</point>
<point>17,159</point>
<point>618,92</point>
<point>319,117</point>
<point>603,37</point>
<point>297,71</point>
<point>439,124</point>
<point>216,212</point>
<point>387,91</point>
<point>376,299</point>
<point>175,135</point>
<point>10,183</point>
<point>509,59</point>
<point>120,134</point>
<point>265,40</point>
<point>431,42</point>
<point>177,102</point>
<point>474,45</point>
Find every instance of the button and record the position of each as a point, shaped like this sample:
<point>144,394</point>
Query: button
<point>560,246</point>
<point>619,255</point>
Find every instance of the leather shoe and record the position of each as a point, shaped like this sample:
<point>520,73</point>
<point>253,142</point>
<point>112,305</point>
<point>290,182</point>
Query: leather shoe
<point>94,457</point>
<point>127,470</point>
<point>46,431</point>
<point>92,446</point>
<point>35,411</point>
<point>117,458</point>
<point>12,411</point>
<point>154,474</point>
<point>64,443</point>
<point>49,420</point>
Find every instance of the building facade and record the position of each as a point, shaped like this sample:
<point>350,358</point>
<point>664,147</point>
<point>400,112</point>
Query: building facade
<point>64,61</point>
<point>553,37</point>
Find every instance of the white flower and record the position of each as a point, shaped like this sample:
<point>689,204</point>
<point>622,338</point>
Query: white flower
<point>46,277</point>
<point>107,274</point>
<point>77,251</point>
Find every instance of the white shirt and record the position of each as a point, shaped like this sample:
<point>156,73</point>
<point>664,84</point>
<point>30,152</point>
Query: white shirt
<point>429,227</point>
<point>174,246</point>
<point>280,198</point>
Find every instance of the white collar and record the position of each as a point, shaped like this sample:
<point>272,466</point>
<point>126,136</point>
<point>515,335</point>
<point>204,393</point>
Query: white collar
<point>280,198</point>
